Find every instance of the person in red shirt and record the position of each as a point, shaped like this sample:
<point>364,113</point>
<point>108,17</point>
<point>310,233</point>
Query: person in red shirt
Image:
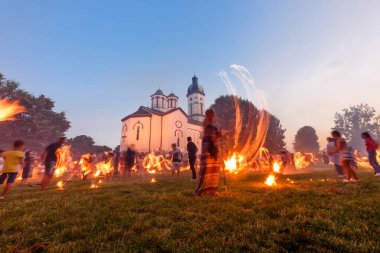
<point>372,145</point>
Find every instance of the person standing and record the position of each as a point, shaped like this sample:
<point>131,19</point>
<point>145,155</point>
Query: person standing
<point>372,145</point>
<point>192,150</point>
<point>210,165</point>
<point>49,156</point>
<point>130,161</point>
<point>333,154</point>
<point>345,156</point>
<point>26,173</point>
<point>13,161</point>
<point>176,156</point>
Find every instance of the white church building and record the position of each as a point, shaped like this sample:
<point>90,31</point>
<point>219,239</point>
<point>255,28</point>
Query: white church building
<point>163,123</point>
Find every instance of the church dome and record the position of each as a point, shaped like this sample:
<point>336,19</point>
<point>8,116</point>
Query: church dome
<point>195,87</point>
<point>172,95</point>
<point>158,93</point>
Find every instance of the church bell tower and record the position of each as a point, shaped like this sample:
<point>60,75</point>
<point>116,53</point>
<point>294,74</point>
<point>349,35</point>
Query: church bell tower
<point>196,100</point>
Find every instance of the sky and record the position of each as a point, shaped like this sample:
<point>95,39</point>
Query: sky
<point>101,60</point>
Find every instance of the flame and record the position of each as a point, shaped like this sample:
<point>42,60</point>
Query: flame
<point>64,161</point>
<point>8,110</point>
<point>303,160</point>
<point>153,180</point>
<point>233,164</point>
<point>154,162</point>
<point>60,185</point>
<point>86,165</point>
<point>271,180</point>
<point>94,186</point>
<point>250,149</point>
<point>104,168</point>
<point>276,167</point>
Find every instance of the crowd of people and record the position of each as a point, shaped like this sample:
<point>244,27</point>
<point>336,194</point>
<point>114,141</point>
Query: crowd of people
<point>341,155</point>
<point>338,151</point>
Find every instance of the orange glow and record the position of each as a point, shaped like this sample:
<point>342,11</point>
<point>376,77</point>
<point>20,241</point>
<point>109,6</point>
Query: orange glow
<point>303,160</point>
<point>64,161</point>
<point>234,163</point>
<point>60,185</point>
<point>271,180</point>
<point>154,162</point>
<point>153,180</point>
<point>86,166</point>
<point>8,110</point>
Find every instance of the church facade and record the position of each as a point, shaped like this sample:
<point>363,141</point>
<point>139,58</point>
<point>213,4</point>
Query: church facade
<point>163,123</point>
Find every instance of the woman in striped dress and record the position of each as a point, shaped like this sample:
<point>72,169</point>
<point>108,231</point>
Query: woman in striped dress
<point>346,157</point>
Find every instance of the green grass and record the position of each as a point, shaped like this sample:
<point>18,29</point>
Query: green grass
<point>134,215</point>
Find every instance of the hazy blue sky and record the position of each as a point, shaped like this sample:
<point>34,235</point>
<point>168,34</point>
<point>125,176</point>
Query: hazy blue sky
<point>101,60</point>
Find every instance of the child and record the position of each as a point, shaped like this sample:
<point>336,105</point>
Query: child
<point>14,159</point>
<point>176,159</point>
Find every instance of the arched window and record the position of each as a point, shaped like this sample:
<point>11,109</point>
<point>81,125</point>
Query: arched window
<point>202,109</point>
<point>178,142</point>
<point>138,133</point>
<point>156,102</point>
<point>162,103</point>
<point>191,109</point>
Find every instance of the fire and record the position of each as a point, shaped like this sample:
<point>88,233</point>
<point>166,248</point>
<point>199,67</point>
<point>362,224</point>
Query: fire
<point>303,160</point>
<point>64,161</point>
<point>85,163</point>
<point>249,150</point>
<point>94,186</point>
<point>104,168</point>
<point>276,167</point>
<point>271,180</point>
<point>153,180</point>
<point>154,162</point>
<point>233,164</point>
<point>60,185</point>
<point>8,110</point>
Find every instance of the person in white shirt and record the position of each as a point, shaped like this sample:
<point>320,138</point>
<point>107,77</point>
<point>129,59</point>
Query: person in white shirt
<point>334,156</point>
<point>176,156</point>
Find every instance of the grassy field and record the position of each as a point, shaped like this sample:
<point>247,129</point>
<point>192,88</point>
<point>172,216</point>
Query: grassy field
<point>134,215</point>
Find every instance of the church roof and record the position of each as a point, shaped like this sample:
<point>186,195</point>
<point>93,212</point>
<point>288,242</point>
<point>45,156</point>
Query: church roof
<point>144,111</point>
<point>195,87</point>
<point>172,95</point>
<point>159,92</point>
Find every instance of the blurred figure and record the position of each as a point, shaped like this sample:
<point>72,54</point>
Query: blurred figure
<point>210,164</point>
<point>13,161</point>
<point>116,162</point>
<point>26,171</point>
<point>332,152</point>
<point>345,157</point>
<point>1,160</point>
<point>176,156</point>
<point>130,161</point>
<point>371,146</point>
<point>49,157</point>
<point>192,150</point>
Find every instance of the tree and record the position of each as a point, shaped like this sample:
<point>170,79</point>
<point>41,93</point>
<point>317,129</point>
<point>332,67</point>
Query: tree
<point>306,140</point>
<point>38,126</point>
<point>83,144</point>
<point>352,121</point>
<point>224,107</point>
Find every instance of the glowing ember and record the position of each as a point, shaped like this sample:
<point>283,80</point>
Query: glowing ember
<point>233,165</point>
<point>153,180</point>
<point>94,186</point>
<point>60,185</point>
<point>271,180</point>
<point>8,110</point>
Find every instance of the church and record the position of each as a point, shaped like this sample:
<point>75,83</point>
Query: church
<point>163,123</point>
